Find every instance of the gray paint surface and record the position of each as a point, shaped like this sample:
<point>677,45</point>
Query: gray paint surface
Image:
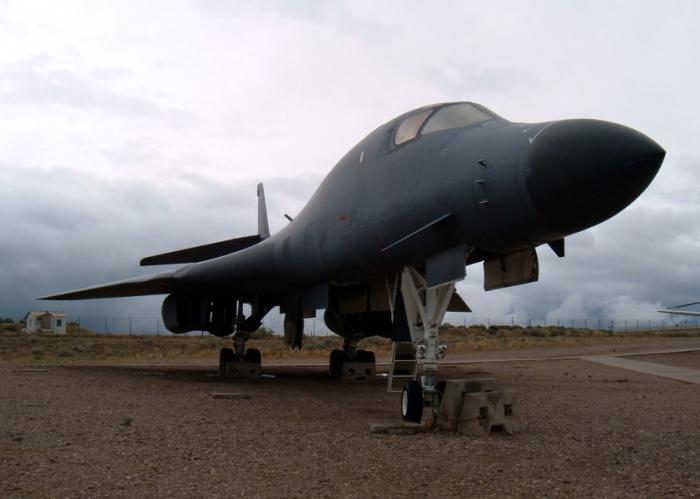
<point>493,187</point>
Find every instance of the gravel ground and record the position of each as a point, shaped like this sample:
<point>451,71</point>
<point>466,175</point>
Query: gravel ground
<point>587,430</point>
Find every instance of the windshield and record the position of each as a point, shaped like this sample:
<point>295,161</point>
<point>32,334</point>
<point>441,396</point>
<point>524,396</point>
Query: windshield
<point>409,127</point>
<point>455,116</point>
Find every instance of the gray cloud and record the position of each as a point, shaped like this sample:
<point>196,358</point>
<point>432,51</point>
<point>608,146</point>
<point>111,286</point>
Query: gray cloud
<point>33,83</point>
<point>458,79</point>
<point>64,229</point>
<point>122,137</point>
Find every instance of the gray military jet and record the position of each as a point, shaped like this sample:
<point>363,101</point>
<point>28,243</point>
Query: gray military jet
<point>391,228</point>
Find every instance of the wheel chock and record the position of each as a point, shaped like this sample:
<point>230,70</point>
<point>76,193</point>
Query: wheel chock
<point>477,406</point>
<point>358,371</point>
<point>247,370</point>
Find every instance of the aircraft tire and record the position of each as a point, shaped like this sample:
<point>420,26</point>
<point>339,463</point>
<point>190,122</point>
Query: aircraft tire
<point>336,363</point>
<point>225,356</point>
<point>412,402</point>
<point>253,356</point>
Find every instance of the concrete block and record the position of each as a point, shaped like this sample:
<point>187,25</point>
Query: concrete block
<point>451,403</point>
<point>485,412</point>
<point>358,371</point>
<point>242,370</point>
<point>477,407</point>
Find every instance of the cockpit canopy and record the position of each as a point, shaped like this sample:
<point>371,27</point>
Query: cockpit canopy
<point>439,118</point>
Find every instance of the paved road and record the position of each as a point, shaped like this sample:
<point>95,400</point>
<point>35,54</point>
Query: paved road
<point>664,371</point>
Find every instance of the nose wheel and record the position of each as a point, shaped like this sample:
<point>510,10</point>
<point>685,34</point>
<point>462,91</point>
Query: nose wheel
<point>412,402</point>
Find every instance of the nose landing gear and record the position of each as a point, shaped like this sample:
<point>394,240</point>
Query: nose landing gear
<point>425,310</point>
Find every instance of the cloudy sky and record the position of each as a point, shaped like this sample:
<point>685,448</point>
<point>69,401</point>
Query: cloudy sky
<point>131,128</point>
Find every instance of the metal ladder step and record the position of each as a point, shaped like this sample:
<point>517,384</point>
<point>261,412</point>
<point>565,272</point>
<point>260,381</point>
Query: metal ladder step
<point>403,365</point>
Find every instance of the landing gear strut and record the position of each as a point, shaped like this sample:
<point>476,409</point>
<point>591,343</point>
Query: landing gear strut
<point>425,311</point>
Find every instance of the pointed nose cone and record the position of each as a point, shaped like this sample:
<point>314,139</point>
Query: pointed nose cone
<point>582,172</point>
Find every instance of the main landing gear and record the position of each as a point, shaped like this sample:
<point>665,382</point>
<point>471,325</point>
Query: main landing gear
<point>351,363</point>
<point>240,361</point>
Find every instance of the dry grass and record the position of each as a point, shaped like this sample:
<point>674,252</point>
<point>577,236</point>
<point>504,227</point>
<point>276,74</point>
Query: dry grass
<point>81,345</point>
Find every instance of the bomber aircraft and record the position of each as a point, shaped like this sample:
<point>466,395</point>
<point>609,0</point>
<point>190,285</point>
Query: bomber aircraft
<point>392,227</point>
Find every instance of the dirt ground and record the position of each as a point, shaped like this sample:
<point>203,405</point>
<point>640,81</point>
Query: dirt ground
<point>123,431</point>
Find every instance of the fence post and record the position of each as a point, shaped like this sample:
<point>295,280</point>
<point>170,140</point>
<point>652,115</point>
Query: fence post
<point>129,326</point>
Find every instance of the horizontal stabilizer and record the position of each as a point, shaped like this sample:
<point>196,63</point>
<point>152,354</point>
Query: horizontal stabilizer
<point>155,284</point>
<point>203,252</point>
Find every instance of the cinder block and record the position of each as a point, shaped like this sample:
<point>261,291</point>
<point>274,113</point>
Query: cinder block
<point>485,412</point>
<point>242,370</point>
<point>476,407</point>
<point>451,403</point>
<point>358,371</point>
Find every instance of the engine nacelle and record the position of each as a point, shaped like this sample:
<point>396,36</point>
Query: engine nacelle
<point>183,312</point>
<point>359,324</point>
<point>359,310</point>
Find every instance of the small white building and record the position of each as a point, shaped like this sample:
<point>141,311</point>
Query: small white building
<point>45,322</point>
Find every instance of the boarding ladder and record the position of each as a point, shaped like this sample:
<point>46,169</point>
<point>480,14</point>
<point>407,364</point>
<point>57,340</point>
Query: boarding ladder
<point>403,365</point>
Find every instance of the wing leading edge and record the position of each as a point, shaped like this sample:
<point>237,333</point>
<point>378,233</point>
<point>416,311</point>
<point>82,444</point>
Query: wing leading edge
<point>154,284</point>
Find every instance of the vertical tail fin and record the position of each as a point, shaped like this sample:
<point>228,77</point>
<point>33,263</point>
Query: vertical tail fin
<point>263,226</point>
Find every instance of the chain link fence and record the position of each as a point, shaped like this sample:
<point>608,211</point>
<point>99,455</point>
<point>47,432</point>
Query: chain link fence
<point>317,327</point>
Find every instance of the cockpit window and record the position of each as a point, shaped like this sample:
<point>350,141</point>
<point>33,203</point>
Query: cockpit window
<point>410,126</point>
<point>455,116</point>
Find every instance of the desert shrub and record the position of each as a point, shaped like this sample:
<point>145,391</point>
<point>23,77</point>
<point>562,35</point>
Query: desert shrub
<point>7,326</point>
<point>262,333</point>
<point>371,341</point>
<point>556,331</point>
